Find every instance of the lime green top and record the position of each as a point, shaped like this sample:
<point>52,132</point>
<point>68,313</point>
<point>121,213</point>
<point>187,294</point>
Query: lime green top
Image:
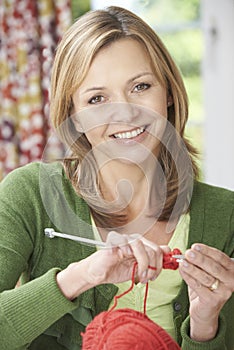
<point>163,290</point>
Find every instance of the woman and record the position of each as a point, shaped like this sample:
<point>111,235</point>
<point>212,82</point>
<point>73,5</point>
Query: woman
<point>119,104</point>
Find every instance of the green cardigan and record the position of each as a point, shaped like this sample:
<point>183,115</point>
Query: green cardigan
<point>37,315</point>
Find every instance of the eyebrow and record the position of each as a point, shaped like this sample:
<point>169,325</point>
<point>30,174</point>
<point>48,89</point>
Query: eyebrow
<point>100,88</point>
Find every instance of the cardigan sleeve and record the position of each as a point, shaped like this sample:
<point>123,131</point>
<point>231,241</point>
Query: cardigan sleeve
<point>218,343</point>
<point>28,310</point>
<point>216,205</point>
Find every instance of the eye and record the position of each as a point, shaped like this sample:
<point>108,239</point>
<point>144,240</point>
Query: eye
<point>96,99</point>
<point>141,87</point>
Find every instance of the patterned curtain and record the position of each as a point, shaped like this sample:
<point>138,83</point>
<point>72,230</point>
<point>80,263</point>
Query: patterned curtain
<point>29,33</point>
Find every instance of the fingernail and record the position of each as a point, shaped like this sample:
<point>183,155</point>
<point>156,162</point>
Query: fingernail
<point>197,247</point>
<point>129,251</point>
<point>191,254</point>
<point>144,282</point>
<point>185,264</point>
<point>144,274</point>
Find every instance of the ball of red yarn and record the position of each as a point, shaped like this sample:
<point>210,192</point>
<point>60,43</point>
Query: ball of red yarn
<point>126,329</point>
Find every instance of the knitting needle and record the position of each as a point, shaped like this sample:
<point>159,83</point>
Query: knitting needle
<point>49,232</point>
<point>180,258</point>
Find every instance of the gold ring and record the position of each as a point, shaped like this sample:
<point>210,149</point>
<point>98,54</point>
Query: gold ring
<point>215,285</point>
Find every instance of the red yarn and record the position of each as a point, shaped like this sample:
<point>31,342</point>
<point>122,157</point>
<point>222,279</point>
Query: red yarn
<point>169,262</point>
<point>126,291</point>
<point>127,329</point>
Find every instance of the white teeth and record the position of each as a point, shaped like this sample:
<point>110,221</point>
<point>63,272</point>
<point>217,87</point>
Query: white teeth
<point>129,134</point>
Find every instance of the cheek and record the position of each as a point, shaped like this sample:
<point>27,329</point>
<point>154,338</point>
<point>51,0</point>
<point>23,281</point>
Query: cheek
<point>158,103</point>
<point>91,137</point>
<point>161,106</point>
<point>94,136</point>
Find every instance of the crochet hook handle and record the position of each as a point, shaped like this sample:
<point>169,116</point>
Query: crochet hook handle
<point>49,232</point>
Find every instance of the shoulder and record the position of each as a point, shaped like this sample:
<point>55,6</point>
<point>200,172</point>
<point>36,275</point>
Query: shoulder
<point>30,173</point>
<point>212,215</point>
<point>213,196</point>
<point>28,182</point>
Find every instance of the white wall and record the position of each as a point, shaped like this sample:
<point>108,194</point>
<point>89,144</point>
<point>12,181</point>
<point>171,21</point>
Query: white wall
<point>218,71</point>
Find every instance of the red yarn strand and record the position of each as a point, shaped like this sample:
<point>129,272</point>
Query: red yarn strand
<point>146,295</point>
<point>127,291</point>
<point>147,289</point>
<point>168,263</point>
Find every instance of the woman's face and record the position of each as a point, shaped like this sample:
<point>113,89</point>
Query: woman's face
<point>120,105</point>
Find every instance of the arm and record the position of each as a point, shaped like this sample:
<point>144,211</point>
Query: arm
<point>25,312</point>
<point>206,323</point>
<point>29,310</point>
<point>112,265</point>
<point>217,343</point>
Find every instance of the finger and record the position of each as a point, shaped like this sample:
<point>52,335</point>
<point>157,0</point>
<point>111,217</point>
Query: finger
<point>215,254</point>
<point>153,270</point>
<point>155,254</point>
<point>208,264</point>
<point>155,260</point>
<point>199,279</point>
<point>142,258</point>
<point>213,298</point>
<point>204,293</point>
<point>165,248</point>
<point>115,239</point>
<point>201,276</point>
<point>120,241</point>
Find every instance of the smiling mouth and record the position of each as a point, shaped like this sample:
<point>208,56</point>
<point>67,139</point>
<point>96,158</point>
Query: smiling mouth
<point>129,134</point>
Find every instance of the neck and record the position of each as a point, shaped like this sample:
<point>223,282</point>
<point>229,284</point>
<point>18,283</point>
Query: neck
<point>132,187</point>
<point>122,180</point>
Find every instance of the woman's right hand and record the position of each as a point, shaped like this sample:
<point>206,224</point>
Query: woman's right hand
<point>113,265</point>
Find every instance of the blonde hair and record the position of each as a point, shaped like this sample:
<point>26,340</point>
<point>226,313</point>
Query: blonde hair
<point>74,55</point>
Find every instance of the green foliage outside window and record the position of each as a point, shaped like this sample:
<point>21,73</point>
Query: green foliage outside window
<point>79,7</point>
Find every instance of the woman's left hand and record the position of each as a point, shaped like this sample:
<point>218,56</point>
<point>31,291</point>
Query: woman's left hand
<point>209,274</point>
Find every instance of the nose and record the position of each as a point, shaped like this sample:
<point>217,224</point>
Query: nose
<point>108,113</point>
<point>123,111</point>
